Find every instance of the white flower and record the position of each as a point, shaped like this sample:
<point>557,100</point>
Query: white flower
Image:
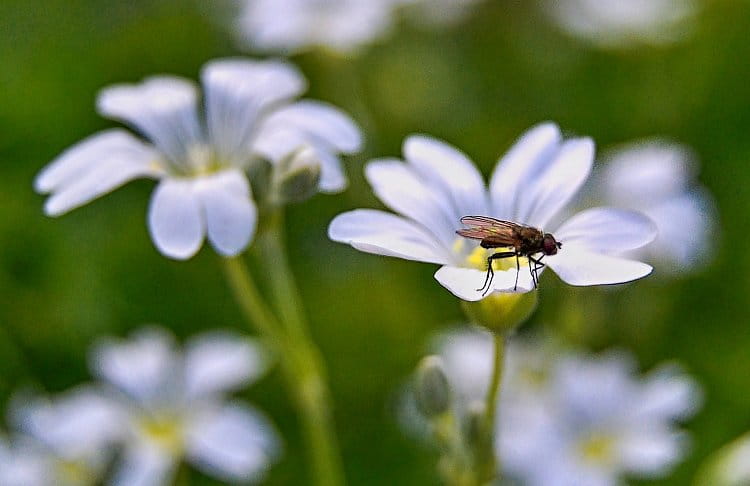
<point>174,407</point>
<point>66,441</point>
<point>201,161</point>
<point>295,25</point>
<point>531,185</point>
<point>438,12</point>
<point>21,464</point>
<point>620,23</point>
<point>594,422</point>
<point>657,178</point>
<point>567,418</point>
<point>468,356</point>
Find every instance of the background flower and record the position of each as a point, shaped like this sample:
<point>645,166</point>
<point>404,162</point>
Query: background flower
<point>532,183</point>
<point>174,406</point>
<point>201,161</point>
<point>657,178</point>
<point>571,418</point>
<point>619,23</point>
<point>438,12</point>
<point>295,25</point>
<point>67,440</point>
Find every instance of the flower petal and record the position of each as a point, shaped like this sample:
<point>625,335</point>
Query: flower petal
<point>686,229</point>
<point>526,158</point>
<point>580,266</point>
<point>546,192</point>
<point>175,220</point>
<point>404,191</point>
<point>279,142</point>
<point>650,452</point>
<point>319,122</point>
<point>79,424</point>
<point>140,367</point>
<point>451,170</point>
<point>646,172</point>
<point>221,362</point>
<point>465,283</point>
<point>383,233</point>
<point>102,148</point>
<point>144,465</point>
<point>292,26</point>
<point>607,230</point>
<point>93,168</point>
<point>237,91</point>
<point>164,108</point>
<point>667,394</point>
<point>234,443</point>
<point>229,210</point>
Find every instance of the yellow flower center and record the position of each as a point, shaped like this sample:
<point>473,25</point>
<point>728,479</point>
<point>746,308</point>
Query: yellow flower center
<point>165,431</point>
<point>598,448</point>
<point>74,472</point>
<point>477,257</point>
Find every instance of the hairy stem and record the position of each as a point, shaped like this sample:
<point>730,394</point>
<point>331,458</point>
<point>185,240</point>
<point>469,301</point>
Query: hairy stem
<point>300,359</point>
<point>490,467</point>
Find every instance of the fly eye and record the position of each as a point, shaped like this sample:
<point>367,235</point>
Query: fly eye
<point>549,245</point>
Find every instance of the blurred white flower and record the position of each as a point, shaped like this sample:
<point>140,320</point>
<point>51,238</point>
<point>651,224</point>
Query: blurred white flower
<point>173,406</point>
<point>621,23</point>
<point>201,161</point>
<point>596,421</point>
<point>21,464</point>
<point>531,185</point>
<point>67,441</point>
<point>438,12</point>
<point>567,418</point>
<point>295,25</point>
<point>657,178</point>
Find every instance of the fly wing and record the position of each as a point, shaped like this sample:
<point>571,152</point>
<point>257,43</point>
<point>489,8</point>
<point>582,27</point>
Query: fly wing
<point>487,222</point>
<point>485,228</point>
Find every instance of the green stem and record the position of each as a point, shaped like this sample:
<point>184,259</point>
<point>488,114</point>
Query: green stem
<point>493,394</point>
<point>314,396</point>
<point>270,245</point>
<point>300,359</point>
<point>250,301</point>
<point>490,468</point>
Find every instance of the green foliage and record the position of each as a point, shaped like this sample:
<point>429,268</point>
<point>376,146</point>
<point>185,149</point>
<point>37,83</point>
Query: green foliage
<point>64,282</point>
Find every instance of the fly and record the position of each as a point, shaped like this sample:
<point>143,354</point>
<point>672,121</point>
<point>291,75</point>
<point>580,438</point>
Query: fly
<point>521,240</point>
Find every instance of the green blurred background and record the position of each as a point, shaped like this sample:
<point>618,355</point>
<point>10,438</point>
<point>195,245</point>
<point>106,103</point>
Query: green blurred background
<point>66,281</point>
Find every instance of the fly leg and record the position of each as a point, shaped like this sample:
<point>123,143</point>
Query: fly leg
<point>531,271</point>
<point>518,270</point>
<point>491,272</point>
<point>537,266</point>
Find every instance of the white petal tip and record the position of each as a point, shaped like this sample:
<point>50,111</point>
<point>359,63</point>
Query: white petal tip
<point>52,209</point>
<point>181,254</point>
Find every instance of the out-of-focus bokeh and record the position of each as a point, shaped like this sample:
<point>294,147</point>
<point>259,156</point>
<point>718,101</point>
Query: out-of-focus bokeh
<point>477,83</point>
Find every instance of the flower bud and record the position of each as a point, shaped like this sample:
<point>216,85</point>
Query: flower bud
<point>432,391</point>
<point>475,431</point>
<point>501,312</point>
<point>296,176</point>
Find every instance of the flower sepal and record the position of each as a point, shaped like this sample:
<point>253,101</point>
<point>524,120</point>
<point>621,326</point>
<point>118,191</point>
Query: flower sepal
<point>500,312</point>
<point>296,177</point>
